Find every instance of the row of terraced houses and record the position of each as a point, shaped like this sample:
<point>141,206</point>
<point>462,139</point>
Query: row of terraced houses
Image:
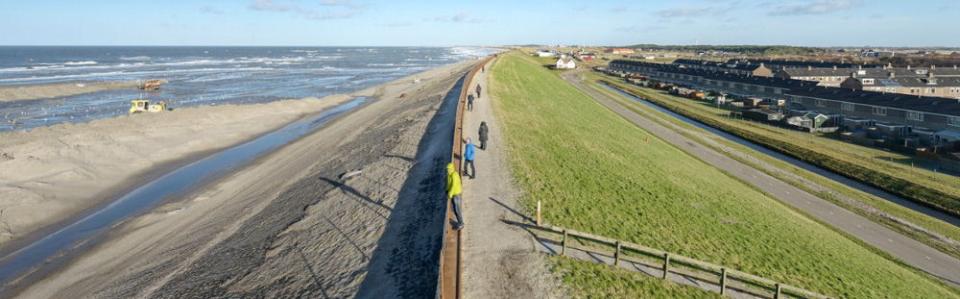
<point>936,119</point>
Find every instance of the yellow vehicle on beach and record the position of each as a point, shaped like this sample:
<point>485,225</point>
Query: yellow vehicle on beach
<point>141,105</point>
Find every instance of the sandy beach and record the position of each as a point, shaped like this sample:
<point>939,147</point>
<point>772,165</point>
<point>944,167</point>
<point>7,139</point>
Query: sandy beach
<point>43,91</point>
<point>50,173</point>
<point>284,226</point>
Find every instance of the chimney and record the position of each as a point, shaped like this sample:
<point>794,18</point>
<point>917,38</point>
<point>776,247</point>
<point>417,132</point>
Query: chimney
<point>889,65</point>
<point>860,67</point>
<point>809,67</point>
<point>834,67</point>
<point>891,75</point>
<point>908,67</point>
<point>853,75</point>
<point>933,67</point>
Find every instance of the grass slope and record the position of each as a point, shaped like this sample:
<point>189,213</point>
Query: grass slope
<point>890,171</point>
<point>598,173</point>
<point>691,108</point>
<point>580,276</point>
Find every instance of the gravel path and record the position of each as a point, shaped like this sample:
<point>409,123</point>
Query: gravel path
<point>500,260</point>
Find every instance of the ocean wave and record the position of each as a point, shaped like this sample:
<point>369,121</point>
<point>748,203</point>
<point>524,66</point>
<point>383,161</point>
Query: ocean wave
<point>135,58</point>
<point>131,75</point>
<point>85,62</point>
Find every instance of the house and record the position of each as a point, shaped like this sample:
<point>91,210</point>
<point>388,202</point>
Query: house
<point>948,139</point>
<point>814,122</point>
<point>831,77</point>
<point>731,67</point>
<point>566,63</point>
<point>929,85</point>
<point>619,51</point>
<point>545,53</point>
<point>586,56</point>
<point>857,124</point>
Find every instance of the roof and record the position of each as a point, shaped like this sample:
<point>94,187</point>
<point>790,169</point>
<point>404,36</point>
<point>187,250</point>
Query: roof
<point>925,82</point>
<point>872,72</point>
<point>716,75</point>
<point>747,66</point>
<point>817,72</point>
<point>893,100</point>
<point>795,63</point>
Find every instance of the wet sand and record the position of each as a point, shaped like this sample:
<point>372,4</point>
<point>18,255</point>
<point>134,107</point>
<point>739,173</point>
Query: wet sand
<point>44,91</point>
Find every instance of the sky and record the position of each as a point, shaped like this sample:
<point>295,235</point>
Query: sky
<point>857,23</point>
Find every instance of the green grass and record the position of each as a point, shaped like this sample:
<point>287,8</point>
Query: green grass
<point>882,205</point>
<point>580,275</point>
<point>887,170</point>
<point>598,173</point>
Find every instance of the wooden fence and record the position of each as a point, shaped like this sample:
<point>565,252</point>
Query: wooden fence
<point>675,263</point>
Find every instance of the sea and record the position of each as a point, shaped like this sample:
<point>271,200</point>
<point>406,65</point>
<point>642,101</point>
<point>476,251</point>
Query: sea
<point>202,75</point>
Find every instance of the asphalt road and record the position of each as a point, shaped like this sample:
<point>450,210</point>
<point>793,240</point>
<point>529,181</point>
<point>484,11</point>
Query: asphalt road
<point>907,250</point>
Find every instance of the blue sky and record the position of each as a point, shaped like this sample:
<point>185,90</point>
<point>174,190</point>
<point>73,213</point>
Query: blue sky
<point>495,22</point>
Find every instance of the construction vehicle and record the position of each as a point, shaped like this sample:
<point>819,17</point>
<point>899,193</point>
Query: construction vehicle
<point>141,105</point>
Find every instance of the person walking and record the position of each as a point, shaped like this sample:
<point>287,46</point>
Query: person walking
<point>478,91</point>
<point>483,135</point>
<point>454,189</point>
<point>468,154</point>
<point>469,102</point>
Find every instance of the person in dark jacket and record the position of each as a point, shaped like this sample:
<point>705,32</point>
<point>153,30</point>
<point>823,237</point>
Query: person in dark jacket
<point>468,154</point>
<point>469,102</point>
<point>483,135</point>
<point>478,91</point>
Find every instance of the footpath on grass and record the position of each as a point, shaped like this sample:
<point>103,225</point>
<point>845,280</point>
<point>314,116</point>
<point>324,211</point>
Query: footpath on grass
<point>499,259</point>
<point>907,250</point>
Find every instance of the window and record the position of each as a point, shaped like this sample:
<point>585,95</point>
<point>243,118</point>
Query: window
<point>848,107</point>
<point>953,121</point>
<point>868,81</point>
<point>880,111</point>
<point>914,115</point>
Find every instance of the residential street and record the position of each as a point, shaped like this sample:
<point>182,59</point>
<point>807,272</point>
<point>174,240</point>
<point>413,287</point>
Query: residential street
<point>907,250</point>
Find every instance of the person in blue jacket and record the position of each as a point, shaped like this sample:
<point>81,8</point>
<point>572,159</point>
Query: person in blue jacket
<point>468,155</point>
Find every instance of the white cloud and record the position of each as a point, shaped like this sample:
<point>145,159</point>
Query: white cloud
<point>683,12</point>
<point>211,10</point>
<point>328,10</point>
<point>814,7</point>
<point>460,17</point>
<point>268,5</point>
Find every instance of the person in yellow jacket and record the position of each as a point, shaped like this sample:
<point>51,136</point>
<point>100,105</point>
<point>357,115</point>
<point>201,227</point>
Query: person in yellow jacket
<point>454,188</point>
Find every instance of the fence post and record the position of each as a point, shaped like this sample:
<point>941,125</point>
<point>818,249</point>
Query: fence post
<point>723,281</point>
<point>616,255</point>
<point>666,264</point>
<point>563,243</point>
<point>777,294</point>
<point>538,212</point>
